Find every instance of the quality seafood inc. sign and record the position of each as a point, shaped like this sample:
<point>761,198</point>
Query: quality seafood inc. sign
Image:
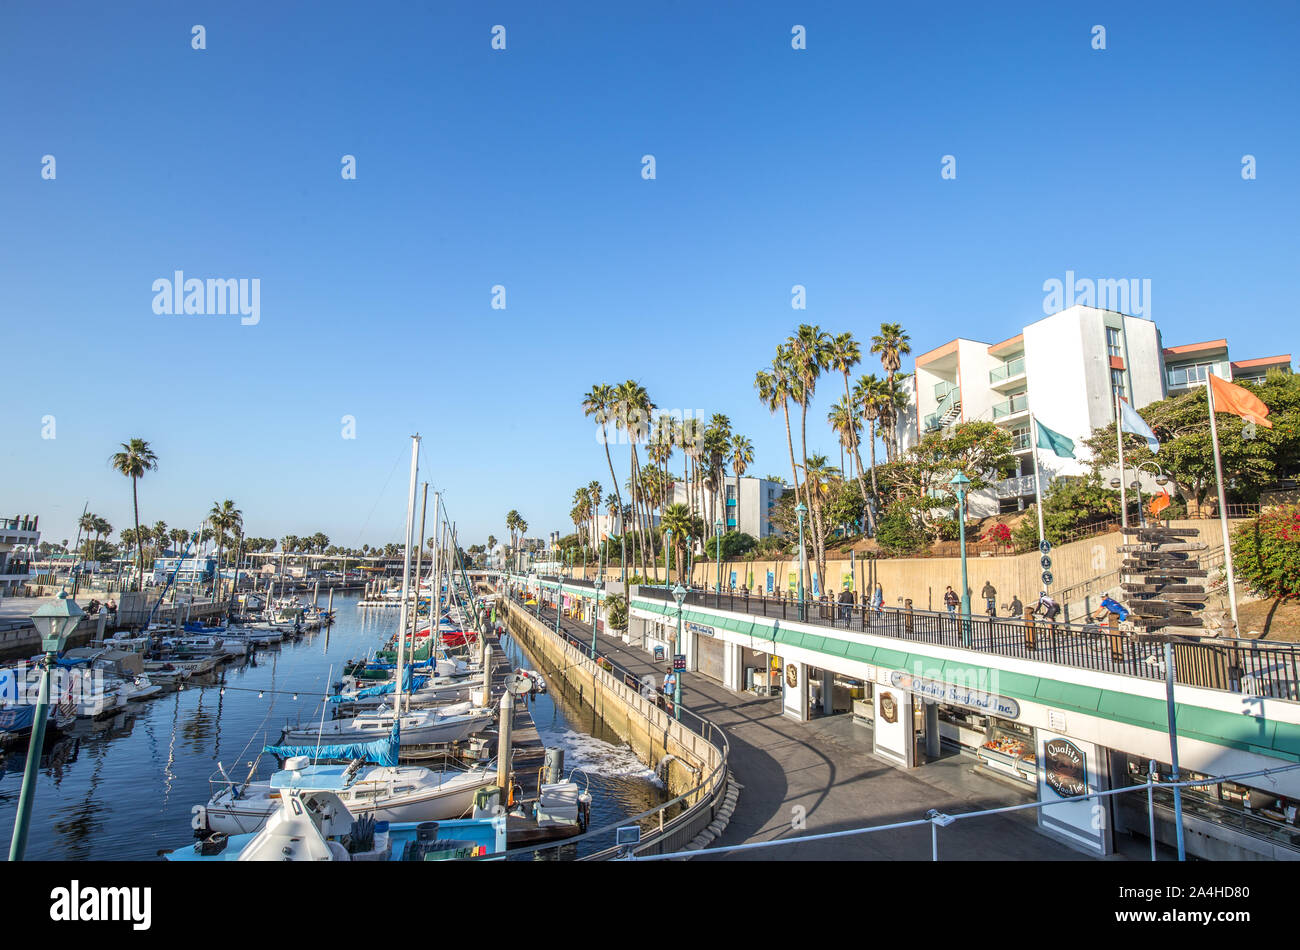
<point>938,692</point>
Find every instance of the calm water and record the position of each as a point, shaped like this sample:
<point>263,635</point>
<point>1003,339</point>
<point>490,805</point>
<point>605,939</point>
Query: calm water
<point>122,788</point>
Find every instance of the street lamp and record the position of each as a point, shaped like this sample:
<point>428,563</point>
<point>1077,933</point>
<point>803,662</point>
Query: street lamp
<point>689,553</point>
<point>1161,479</point>
<point>595,617</point>
<point>959,482</point>
<point>717,553</point>
<point>802,511</point>
<point>54,622</point>
<point>679,594</point>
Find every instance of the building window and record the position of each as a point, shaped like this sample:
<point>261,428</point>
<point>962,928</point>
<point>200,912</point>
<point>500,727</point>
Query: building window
<point>1117,382</point>
<point>1113,347</point>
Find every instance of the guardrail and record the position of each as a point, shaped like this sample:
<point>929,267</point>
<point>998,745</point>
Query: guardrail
<point>1222,663</point>
<point>702,800</point>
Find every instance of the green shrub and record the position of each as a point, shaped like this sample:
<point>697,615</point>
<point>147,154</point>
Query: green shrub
<point>898,532</point>
<point>1266,552</point>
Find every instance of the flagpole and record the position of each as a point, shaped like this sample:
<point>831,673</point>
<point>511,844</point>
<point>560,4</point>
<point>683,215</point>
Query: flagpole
<point>1223,507</point>
<point>1119,442</point>
<point>1038,488</point>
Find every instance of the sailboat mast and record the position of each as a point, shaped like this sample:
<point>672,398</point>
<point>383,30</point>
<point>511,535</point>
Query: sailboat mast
<point>406,570</point>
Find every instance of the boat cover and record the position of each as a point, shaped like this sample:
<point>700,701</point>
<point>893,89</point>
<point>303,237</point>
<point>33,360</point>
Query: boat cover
<point>411,684</point>
<point>380,751</point>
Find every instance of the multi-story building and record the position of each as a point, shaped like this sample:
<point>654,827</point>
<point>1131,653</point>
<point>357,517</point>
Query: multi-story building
<point>1065,369</point>
<point>751,512</point>
<point>19,538</point>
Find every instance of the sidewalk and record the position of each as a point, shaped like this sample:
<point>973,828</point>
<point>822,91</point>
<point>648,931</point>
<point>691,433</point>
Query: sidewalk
<point>821,774</point>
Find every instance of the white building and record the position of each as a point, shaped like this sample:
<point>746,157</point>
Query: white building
<point>19,538</point>
<point>750,513</point>
<point>1066,369</point>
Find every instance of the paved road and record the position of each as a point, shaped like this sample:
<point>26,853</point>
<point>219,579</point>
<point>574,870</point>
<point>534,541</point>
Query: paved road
<point>822,772</point>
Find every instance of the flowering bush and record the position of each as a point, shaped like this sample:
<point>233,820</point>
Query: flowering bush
<point>1266,552</point>
<point>999,534</point>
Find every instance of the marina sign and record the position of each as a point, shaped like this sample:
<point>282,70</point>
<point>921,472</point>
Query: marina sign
<point>1001,706</point>
<point>699,628</point>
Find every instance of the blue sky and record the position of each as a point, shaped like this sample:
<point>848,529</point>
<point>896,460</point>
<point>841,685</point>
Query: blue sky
<point>522,168</point>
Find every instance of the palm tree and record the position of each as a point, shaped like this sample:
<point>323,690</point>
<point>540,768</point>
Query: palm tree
<point>133,461</point>
<point>595,493</point>
<point>224,517</point>
<point>808,350</point>
<point>819,477</point>
<point>869,396</point>
<point>892,343</point>
<point>633,416</point>
<point>512,525</point>
<point>599,402</point>
<point>846,354</point>
<point>742,456</point>
<point>894,400</point>
<point>777,388</point>
<point>677,518</point>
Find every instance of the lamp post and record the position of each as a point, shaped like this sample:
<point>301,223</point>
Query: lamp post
<point>802,511</point>
<point>959,482</point>
<point>559,597</point>
<point>689,553</point>
<point>1161,479</point>
<point>54,622</point>
<point>717,553</point>
<point>679,594</point>
<point>668,553</point>
<point>595,616</point>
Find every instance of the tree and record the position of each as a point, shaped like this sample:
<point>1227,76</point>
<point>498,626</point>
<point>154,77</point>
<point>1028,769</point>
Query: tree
<point>1266,552</point>
<point>634,409</point>
<point>869,395</point>
<point>599,403</point>
<point>891,344</point>
<point>1068,504</point>
<point>776,388</point>
<point>844,355</point>
<point>132,462</point>
<point>677,519</point>
<point>1182,425</point>
<point>742,456</point>
<point>979,450</point>
<point>616,612</point>
<point>899,532</point>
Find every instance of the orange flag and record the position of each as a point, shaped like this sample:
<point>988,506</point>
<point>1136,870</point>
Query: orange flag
<point>1239,402</point>
<point>1158,504</point>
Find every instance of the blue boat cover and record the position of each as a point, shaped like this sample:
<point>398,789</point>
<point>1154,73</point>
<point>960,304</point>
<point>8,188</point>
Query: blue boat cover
<point>380,752</point>
<point>412,684</point>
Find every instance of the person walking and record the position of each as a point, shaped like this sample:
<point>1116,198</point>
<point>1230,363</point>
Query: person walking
<point>878,600</point>
<point>951,600</point>
<point>846,603</point>
<point>990,595</point>
<point>907,616</point>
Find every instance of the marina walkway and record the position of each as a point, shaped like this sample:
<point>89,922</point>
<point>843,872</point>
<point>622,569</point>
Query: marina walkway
<point>822,773</point>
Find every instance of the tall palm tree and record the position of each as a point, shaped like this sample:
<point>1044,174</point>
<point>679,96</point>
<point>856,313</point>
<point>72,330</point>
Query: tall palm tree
<point>512,525</point>
<point>808,350</point>
<point>595,494</point>
<point>133,461</point>
<point>845,353</point>
<point>677,518</point>
<point>894,401</point>
<point>742,456</point>
<point>819,477</point>
<point>869,396</point>
<point>891,344</point>
<point>634,414</point>
<point>599,402</point>
<point>776,388</point>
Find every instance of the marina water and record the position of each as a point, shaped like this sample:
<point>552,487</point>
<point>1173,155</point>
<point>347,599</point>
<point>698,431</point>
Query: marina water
<point>123,788</point>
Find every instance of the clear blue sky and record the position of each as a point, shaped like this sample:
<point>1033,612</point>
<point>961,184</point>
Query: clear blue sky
<point>522,168</point>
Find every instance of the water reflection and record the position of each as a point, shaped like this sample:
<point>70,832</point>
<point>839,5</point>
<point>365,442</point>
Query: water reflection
<point>123,787</point>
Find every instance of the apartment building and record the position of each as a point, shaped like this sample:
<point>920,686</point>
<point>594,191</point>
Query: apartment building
<point>1066,368</point>
<point>749,512</point>
<point>19,537</point>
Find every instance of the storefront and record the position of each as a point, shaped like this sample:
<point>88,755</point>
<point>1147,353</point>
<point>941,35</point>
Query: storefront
<point>709,651</point>
<point>1221,821</point>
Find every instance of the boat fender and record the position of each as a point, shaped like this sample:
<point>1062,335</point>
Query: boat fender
<point>214,843</point>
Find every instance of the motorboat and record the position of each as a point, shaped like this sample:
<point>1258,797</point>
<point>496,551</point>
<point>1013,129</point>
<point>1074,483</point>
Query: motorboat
<point>387,793</point>
<point>317,826</point>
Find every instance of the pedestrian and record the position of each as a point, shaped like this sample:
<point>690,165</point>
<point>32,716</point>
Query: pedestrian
<point>1116,613</point>
<point>1016,608</point>
<point>951,600</point>
<point>907,616</point>
<point>846,603</point>
<point>878,600</point>
<point>990,595</point>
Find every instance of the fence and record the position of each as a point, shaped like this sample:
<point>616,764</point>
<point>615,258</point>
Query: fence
<point>1233,665</point>
<point>693,733</point>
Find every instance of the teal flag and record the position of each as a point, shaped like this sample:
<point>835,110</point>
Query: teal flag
<point>1047,439</point>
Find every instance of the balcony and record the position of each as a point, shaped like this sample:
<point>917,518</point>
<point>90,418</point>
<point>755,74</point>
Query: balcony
<point>943,389</point>
<point>1187,377</point>
<point>1008,374</point>
<point>1012,407</point>
<point>1014,487</point>
<point>1020,441</point>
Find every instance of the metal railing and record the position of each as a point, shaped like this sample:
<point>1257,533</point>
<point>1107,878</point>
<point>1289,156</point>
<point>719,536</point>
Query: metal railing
<point>698,803</point>
<point>1231,665</point>
<point>1011,406</point>
<point>1014,368</point>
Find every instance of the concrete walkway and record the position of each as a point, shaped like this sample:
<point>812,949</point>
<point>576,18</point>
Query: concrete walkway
<point>822,776</point>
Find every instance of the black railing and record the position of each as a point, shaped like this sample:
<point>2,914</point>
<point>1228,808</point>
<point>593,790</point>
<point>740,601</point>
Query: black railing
<point>1239,666</point>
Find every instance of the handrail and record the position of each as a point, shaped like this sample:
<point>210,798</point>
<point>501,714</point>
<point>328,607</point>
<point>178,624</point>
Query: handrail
<point>709,789</point>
